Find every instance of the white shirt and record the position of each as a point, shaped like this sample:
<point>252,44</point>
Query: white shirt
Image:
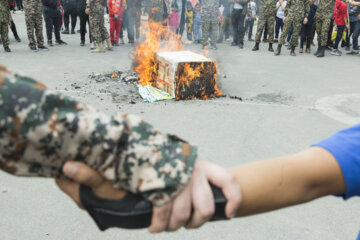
<point>238,6</point>
<point>280,12</point>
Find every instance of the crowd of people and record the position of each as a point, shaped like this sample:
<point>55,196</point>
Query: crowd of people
<point>205,21</point>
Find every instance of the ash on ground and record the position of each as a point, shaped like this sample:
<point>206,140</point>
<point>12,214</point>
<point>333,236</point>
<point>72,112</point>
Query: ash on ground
<point>121,86</point>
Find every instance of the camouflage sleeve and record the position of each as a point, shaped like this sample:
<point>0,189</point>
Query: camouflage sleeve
<point>40,129</point>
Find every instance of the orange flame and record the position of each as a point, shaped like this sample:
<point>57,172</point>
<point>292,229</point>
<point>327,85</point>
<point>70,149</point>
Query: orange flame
<point>114,75</point>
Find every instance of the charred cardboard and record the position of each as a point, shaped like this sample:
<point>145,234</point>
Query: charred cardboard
<point>171,70</point>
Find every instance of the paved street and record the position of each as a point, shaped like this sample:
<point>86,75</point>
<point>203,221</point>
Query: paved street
<point>288,103</point>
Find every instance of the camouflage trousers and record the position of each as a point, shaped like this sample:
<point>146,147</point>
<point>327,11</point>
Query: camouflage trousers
<point>34,23</point>
<point>98,30</point>
<point>296,23</point>
<point>209,28</point>
<point>4,32</point>
<point>268,20</point>
<point>322,28</point>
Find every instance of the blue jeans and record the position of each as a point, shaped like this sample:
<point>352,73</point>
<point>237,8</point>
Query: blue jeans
<point>355,35</point>
<point>279,24</point>
<point>340,31</point>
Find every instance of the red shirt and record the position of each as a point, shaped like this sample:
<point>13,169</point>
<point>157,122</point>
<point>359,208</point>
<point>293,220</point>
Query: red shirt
<point>340,12</point>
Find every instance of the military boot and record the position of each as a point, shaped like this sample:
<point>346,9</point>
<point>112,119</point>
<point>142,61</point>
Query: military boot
<point>270,48</point>
<point>318,50</point>
<point>99,48</point>
<point>322,52</point>
<point>278,50</point>
<point>256,47</point>
<point>109,45</point>
<point>292,52</point>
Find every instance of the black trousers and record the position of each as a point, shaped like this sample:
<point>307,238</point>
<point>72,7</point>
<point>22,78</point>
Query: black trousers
<point>249,24</point>
<point>13,29</point>
<point>52,18</point>
<point>70,12</point>
<point>306,35</point>
<point>84,18</point>
<point>237,19</point>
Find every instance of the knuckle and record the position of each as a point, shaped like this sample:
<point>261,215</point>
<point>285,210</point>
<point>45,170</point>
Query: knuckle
<point>207,212</point>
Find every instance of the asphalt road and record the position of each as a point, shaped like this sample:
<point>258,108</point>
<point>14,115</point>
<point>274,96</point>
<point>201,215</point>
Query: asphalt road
<point>288,104</point>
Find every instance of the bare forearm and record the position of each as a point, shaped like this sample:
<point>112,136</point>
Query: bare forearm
<point>280,182</point>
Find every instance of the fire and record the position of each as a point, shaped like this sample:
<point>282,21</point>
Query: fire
<point>158,38</point>
<point>114,75</point>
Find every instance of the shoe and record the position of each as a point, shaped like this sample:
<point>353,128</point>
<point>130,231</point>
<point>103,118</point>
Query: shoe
<point>82,43</point>
<point>17,39</point>
<point>99,48</point>
<point>289,47</point>
<point>92,45</point>
<point>278,50</point>
<point>227,39</point>
<point>33,48</point>
<point>116,44</point>
<point>276,40</point>
<point>321,52</point>
<point>43,48</point>
<point>256,47</point>
<point>317,51</point>
<point>328,48</point>
<point>131,41</point>
<point>78,31</point>
<point>265,40</point>
<point>347,48</point>
<point>213,46</point>
<point>308,50</point>
<point>109,45</point>
<point>251,40</point>
<point>335,52</point>
<point>121,41</point>
<point>72,31</point>
<point>292,52</point>
<point>7,49</point>
<point>66,31</point>
<point>241,45</point>
<point>301,50</point>
<point>353,52</point>
<point>234,44</point>
<point>61,42</point>
<point>50,43</point>
<point>270,48</point>
<point>287,44</point>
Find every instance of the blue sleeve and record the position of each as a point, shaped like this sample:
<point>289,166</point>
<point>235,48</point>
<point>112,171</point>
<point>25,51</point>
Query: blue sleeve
<point>345,147</point>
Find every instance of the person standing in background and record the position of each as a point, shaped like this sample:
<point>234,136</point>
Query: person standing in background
<point>70,10</point>
<point>226,21</point>
<point>5,21</point>
<point>237,19</point>
<point>52,18</point>
<point>279,24</point>
<point>84,18</point>
<point>250,18</point>
<point>116,10</point>
<point>197,24</point>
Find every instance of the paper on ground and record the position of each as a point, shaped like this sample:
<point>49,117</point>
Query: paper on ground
<point>152,94</point>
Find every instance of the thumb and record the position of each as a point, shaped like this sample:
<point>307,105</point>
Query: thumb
<point>81,173</point>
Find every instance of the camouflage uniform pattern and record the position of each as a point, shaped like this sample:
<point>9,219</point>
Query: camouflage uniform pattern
<point>98,30</point>
<point>41,129</point>
<point>210,20</point>
<point>155,10</point>
<point>267,16</point>
<point>5,18</point>
<point>295,12</point>
<point>33,20</point>
<point>323,16</point>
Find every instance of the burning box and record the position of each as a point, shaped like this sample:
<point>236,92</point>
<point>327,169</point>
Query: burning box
<point>186,75</point>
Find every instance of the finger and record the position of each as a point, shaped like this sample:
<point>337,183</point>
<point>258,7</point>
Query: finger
<point>181,209</point>
<point>81,173</point>
<point>70,188</point>
<point>223,179</point>
<point>160,218</point>
<point>202,199</point>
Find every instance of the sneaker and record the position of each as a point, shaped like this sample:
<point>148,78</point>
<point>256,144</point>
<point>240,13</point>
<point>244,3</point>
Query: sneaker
<point>301,50</point>
<point>122,41</point>
<point>50,43</point>
<point>308,50</point>
<point>33,48</point>
<point>347,48</point>
<point>353,52</point>
<point>61,42</point>
<point>335,52</point>
<point>66,31</point>
<point>241,45</point>
<point>17,39</point>
<point>227,39</point>
<point>82,43</point>
<point>287,44</point>
<point>250,40</point>
<point>131,41</point>
<point>7,49</point>
<point>116,44</point>
<point>92,45</point>
<point>43,48</point>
